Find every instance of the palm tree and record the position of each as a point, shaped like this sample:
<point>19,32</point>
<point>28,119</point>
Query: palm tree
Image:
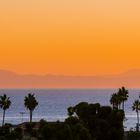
<point>30,103</point>
<point>123,93</point>
<point>4,104</point>
<point>136,107</point>
<point>115,101</point>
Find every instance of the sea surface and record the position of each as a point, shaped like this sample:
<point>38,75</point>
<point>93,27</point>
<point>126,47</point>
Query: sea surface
<point>53,103</point>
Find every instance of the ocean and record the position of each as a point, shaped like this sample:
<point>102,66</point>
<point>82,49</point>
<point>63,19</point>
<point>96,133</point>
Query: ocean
<point>53,103</point>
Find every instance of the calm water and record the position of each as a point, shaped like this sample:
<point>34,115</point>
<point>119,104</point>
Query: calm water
<point>53,104</point>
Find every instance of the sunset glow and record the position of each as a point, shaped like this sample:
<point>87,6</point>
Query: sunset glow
<point>69,37</point>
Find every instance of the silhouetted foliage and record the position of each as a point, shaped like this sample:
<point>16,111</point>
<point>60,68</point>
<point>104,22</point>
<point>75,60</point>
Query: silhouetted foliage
<point>55,131</point>
<point>102,122</point>
<point>136,107</point>
<point>70,111</point>
<point>30,103</point>
<point>17,133</point>
<point>72,120</point>
<point>133,135</point>
<point>4,104</point>
<point>123,93</point>
<point>6,133</point>
<point>119,98</point>
<point>115,101</point>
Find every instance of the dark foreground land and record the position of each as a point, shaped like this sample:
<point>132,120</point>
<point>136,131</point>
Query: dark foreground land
<point>85,122</point>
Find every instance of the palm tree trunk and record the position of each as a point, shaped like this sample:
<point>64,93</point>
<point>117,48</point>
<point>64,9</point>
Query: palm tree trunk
<point>30,116</point>
<point>3,117</point>
<point>138,120</point>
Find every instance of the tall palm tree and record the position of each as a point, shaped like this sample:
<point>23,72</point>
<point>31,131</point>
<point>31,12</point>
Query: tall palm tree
<point>136,107</point>
<point>115,101</point>
<point>123,93</point>
<point>30,103</point>
<point>4,104</point>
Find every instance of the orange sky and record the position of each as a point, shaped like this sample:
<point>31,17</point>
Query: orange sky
<point>69,37</point>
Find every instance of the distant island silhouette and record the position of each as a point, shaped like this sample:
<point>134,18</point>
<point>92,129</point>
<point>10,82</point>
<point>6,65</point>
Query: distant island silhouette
<point>9,79</point>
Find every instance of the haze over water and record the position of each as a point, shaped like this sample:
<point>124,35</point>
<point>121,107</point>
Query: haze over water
<point>53,103</point>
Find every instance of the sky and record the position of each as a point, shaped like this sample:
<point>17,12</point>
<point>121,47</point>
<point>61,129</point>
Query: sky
<point>69,37</point>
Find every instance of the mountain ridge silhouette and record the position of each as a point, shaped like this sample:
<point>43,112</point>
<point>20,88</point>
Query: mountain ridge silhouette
<point>10,79</point>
